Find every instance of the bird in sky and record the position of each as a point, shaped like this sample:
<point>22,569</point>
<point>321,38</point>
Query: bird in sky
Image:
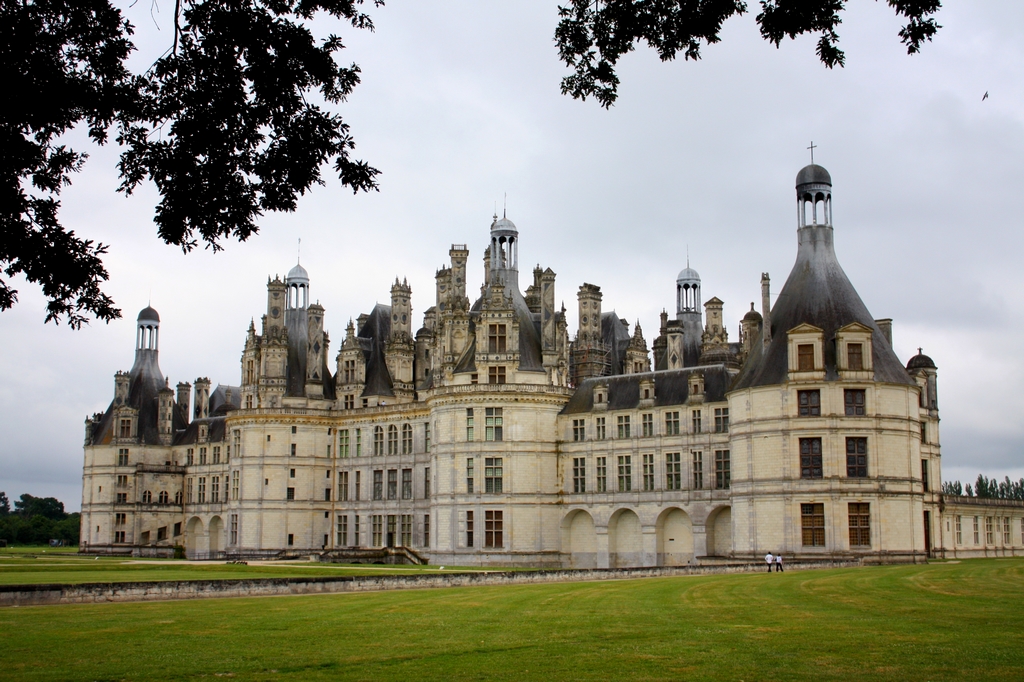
<point>985,96</point>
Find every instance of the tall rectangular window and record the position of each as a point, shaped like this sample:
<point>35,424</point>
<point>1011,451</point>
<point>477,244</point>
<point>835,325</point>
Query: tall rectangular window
<point>469,529</point>
<point>349,371</point>
<point>216,454</point>
<point>960,530</point>
<point>343,443</point>
<point>293,450</point>
<point>378,441</point>
<point>579,429</point>
<point>812,518</point>
<point>860,524</point>
<point>355,531</point>
<point>1006,530</point>
<point>358,487</point>
<point>721,420</point>
<point>407,484</point>
<point>723,469</point>
<point>977,539</point>
<point>392,484</point>
<point>493,475</point>
<point>671,423</point>
<point>648,471</point>
<point>343,486</point>
<point>599,428</point>
<point>188,489</point>
<point>202,455</point>
<point>426,437</point>
<point>122,457</point>
<point>601,478</point>
<point>392,439</point>
<point>493,424</point>
<point>126,428</point>
<point>470,475</point>
<point>623,422</point>
<point>647,425</point>
<point>215,489</point>
<point>426,481</point>
<point>469,423</point>
<point>855,356</point>
<point>426,530</point>
<point>579,474</point>
<point>350,401</point>
<point>673,471</point>
<point>378,484</point>
<point>924,475</point>
<point>202,490</point>
<point>493,529</point>
<point>496,335</point>
<point>406,439</point>
<point>625,473</point>
<point>805,357</point>
<point>406,530</point>
<point>854,400</point>
<point>359,442</point>
<point>698,469</point>
<point>289,493</point>
<point>496,375</point>
<point>810,458</point>
<point>234,484</point>
<point>695,421</point>
<point>342,539</point>
<point>989,540</point>
<point>237,438</point>
<point>377,525</point>
<point>857,457</point>
<point>234,530</point>
<point>809,403</point>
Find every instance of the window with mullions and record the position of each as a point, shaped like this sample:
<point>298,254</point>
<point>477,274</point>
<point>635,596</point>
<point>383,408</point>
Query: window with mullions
<point>854,399</point>
<point>392,484</point>
<point>406,439</point>
<point>579,429</point>
<point>122,457</point>
<point>599,428</point>
<point>647,425</point>
<point>342,539</point>
<point>493,424</point>
<point>857,457</point>
<point>648,471</point>
<point>470,475</point>
<point>406,484</point>
<point>392,439</point>
<point>469,423</point>
<point>601,474</point>
<point>625,473</point>
<point>496,338</point>
<point>623,422</point>
<point>406,530</point>
<point>723,470</point>
<point>378,440</point>
<point>377,524</point>
<point>812,519</point>
<point>860,524</point>
<point>698,469</point>
<point>495,375</point>
<point>695,421</point>
<point>810,458</point>
<point>378,484</point>
<point>493,529</point>
<point>810,403</point>
<point>671,423</point>
<point>960,529</point>
<point>343,443</point>
<point>493,473</point>
<point>579,474</point>
<point>673,471</point>
<point>469,529</point>
<point>721,420</point>
<point>343,486</point>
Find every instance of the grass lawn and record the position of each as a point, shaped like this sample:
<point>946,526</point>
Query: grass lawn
<point>944,621</point>
<point>36,567</point>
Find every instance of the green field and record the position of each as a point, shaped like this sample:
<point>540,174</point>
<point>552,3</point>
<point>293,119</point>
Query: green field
<point>25,566</point>
<point>943,621</point>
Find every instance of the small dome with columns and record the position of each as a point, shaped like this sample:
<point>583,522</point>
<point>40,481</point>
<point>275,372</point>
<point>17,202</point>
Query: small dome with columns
<point>687,274</point>
<point>297,274</point>
<point>503,223</point>
<point>921,361</point>
<point>148,313</point>
<point>813,175</point>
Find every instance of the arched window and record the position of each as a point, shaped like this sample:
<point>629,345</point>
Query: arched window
<point>162,497</point>
<point>406,439</point>
<point>392,439</point>
<point>177,497</point>
<point>378,440</point>
<point>147,497</point>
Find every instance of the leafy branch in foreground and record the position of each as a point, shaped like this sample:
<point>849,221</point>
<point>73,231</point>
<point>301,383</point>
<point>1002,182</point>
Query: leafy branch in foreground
<point>592,35</point>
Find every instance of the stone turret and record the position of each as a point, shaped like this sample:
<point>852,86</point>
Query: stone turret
<point>637,359</point>
<point>316,351</point>
<point>184,397</point>
<point>202,391</point>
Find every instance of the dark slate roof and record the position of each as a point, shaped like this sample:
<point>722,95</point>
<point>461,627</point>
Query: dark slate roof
<point>921,361</point>
<point>671,387</point>
<point>616,336</point>
<point>813,174</point>
<point>372,337</point>
<point>297,321</point>
<point>144,386</point>
<point>219,398</point>
<point>817,293</point>
<point>530,353</point>
<point>215,434</point>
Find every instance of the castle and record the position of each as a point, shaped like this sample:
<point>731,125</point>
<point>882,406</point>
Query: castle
<point>488,437</point>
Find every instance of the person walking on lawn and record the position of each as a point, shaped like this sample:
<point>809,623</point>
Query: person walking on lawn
<point>778,563</point>
<point>768,558</point>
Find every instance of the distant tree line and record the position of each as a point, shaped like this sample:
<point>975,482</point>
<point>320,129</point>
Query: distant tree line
<point>36,521</point>
<point>988,488</point>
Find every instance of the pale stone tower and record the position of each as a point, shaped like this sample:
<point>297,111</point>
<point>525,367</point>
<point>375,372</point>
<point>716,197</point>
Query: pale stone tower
<point>316,352</point>
<point>688,315</point>
<point>272,355</point>
<point>351,377</point>
<point>202,390</point>
<point>401,350</point>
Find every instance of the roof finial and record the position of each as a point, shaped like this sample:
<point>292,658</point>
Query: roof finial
<point>687,255</point>
<point>298,255</point>
<point>919,352</point>
<point>504,207</point>
<point>812,151</point>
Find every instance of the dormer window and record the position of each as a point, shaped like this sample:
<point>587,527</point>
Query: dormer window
<point>855,357</point>
<point>806,353</point>
<point>496,336</point>
<point>805,357</point>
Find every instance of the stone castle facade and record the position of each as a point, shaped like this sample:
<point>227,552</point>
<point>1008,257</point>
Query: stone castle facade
<point>487,436</point>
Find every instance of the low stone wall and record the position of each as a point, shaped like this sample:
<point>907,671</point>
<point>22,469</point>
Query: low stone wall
<point>91,593</point>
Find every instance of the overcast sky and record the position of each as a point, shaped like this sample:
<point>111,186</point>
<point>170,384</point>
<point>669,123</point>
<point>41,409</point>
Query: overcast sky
<point>460,105</point>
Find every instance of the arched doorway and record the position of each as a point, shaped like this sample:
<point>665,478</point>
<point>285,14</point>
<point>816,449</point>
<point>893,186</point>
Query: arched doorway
<point>675,538</point>
<point>579,539</point>
<point>719,532</point>
<point>196,540</point>
<point>625,539</point>
<point>216,533</point>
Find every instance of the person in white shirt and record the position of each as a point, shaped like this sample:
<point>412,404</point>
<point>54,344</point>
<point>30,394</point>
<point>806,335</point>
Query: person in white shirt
<point>768,558</point>
<point>778,563</point>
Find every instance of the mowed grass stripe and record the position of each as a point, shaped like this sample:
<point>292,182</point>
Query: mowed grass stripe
<point>934,622</point>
